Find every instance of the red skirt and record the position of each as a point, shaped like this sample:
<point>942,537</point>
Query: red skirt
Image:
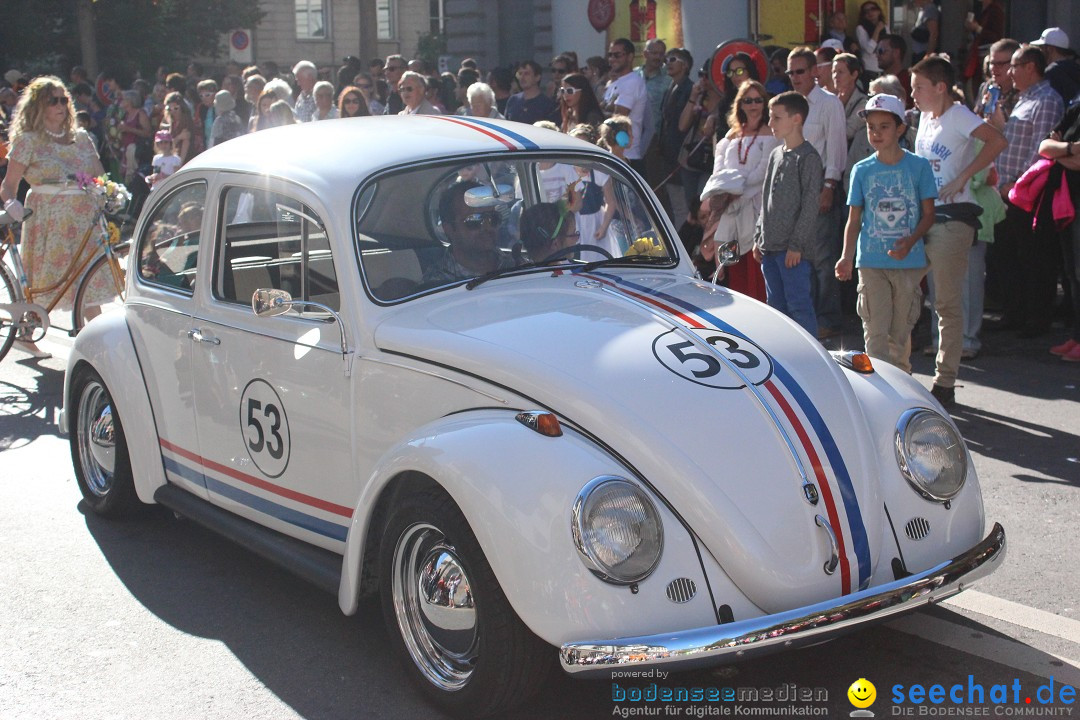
<point>745,277</point>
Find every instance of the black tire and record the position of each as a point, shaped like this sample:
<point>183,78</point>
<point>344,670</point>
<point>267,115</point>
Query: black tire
<point>475,671</point>
<point>7,295</point>
<point>99,449</point>
<point>96,279</point>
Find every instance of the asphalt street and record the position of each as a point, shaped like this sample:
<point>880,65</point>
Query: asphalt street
<point>159,618</point>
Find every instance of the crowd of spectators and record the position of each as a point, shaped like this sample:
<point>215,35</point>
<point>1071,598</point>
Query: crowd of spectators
<point>705,148</point>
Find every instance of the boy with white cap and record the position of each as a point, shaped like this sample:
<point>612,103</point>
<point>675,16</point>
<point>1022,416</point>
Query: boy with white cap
<point>891,208</point>
<point>1062,70</point>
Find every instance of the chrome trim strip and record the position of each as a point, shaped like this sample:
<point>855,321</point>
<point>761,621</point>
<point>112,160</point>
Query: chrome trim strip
<point>793,628</point>
<point>441,376</point>
<point>702,345</point>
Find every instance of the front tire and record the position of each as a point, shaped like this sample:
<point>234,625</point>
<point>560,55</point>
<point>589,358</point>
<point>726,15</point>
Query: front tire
<point>449,621</point>
<point>99,449</point>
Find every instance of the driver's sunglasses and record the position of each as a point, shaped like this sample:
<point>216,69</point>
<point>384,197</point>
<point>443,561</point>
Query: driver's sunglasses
<point>477,220</point>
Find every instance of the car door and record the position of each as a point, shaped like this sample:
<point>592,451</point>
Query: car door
<point>273,395</point>
<point>160,308</point>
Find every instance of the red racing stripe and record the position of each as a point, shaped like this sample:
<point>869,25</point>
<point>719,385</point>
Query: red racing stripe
<point>793,419</point>
<point>257,482</point>
<point>490,134</point>
<point>819,473</point>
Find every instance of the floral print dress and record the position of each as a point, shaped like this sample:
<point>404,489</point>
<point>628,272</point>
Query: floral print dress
<point>52,235</point>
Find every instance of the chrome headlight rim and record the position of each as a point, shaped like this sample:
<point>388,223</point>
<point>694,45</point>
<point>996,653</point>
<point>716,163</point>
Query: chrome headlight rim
<point>902,425</point>
<point>594,564</point>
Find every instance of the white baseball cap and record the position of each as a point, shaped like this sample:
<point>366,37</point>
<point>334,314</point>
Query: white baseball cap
<point>1053,36</point>
<point>885,103</point>
<point>834,44</point>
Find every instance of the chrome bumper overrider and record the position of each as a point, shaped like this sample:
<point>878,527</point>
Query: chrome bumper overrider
<point>802,626</point>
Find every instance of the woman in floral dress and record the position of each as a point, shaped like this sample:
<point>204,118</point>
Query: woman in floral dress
<point>46,151</point>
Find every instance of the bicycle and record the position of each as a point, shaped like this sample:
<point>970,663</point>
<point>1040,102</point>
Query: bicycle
<point>99,279</point>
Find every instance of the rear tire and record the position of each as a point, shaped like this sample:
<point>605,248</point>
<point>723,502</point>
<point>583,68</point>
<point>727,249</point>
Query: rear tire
<point>449,621</point>
<point>7,295</point>
<point>97,289</point>
<point>99,449</point>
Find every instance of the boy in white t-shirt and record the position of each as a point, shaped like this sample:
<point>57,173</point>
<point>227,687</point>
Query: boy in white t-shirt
<point>948,137</point>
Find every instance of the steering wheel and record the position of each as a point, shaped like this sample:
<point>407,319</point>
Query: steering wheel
<point>573,250</point>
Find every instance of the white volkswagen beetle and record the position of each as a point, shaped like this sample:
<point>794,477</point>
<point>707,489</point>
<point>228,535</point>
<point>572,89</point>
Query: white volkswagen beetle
<point>422,357</point>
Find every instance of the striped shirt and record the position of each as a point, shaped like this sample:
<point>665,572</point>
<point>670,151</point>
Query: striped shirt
<point>1037,112</point>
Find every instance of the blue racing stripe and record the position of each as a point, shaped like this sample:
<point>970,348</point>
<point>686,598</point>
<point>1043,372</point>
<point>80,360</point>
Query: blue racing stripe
<point>266,507</point>
<point>188,473</point>
<point>847,489</point>
<point>526,142</point>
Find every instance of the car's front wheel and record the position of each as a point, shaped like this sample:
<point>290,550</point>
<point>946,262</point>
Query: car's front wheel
<point>99,449</point>
<point>448,617</point>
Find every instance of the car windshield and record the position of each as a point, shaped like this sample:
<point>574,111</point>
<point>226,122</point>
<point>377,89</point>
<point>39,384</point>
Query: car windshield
<point>439,225</point>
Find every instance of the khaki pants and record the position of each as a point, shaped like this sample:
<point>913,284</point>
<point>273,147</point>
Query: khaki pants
<point>947,247</point>
<point>889,304</point>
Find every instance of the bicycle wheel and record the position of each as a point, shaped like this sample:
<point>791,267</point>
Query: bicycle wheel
<point>99,290</point>
<point>7,295</point>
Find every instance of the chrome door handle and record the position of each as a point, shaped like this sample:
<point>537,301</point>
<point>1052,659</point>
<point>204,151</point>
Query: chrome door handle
<point>196,335</point>
<point>834,558</point>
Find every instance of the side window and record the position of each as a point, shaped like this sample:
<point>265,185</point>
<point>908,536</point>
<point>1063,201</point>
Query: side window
<point>270,240</point>
<point>169,246</point>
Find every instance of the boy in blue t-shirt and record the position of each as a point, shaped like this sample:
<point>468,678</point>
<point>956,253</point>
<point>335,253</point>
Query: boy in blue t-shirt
<point>892,207</point>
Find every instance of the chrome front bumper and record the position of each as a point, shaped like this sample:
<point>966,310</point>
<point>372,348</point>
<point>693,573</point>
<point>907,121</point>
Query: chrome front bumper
<point>802,626</point>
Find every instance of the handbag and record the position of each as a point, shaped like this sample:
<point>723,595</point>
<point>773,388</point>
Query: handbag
<point>697,154</point>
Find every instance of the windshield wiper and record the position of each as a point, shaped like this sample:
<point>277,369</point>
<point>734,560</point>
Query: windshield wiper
<point>477,281</point>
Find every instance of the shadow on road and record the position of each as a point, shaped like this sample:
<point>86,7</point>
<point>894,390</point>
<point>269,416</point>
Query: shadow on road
<point>294,640</point>
<point>28,407</point>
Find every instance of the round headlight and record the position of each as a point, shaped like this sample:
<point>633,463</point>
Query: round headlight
<point>931,454</point>
<point>617,530</point>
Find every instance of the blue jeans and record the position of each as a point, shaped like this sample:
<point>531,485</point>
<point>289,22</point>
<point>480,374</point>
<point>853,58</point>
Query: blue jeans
<point>788,289</point>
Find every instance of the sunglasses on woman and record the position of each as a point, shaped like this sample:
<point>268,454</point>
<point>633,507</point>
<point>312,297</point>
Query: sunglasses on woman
<point>568,91</point>
<point>478,220</point>
<point>58,100</point>
<point>352,100</point>
<point>752,100</point>
<point>737,72</point>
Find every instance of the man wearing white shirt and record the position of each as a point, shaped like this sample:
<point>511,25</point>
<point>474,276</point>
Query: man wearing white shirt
<point>626,94</point>
<point>825,129</point>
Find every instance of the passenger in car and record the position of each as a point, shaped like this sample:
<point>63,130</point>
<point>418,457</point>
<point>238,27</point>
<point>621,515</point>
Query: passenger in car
<point>547,228</point>
<point>473,235</point>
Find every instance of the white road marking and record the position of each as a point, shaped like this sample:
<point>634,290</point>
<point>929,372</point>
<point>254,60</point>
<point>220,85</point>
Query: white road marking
<point>991,647</point>
<point>1011,612</point>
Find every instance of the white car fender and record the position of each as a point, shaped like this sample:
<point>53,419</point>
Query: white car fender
<point>105,345</point>
<point>516,488</point>
<point>925,530</point>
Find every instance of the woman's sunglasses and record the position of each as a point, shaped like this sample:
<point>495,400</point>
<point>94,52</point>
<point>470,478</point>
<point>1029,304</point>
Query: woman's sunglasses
<point>352,101</point>
<point>752,100</point>
<point>58,100</point>
<point>737,72</point>
<point>568,91</point>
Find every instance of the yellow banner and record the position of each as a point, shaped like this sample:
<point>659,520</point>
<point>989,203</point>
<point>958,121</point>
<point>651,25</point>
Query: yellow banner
<point>643,20</point>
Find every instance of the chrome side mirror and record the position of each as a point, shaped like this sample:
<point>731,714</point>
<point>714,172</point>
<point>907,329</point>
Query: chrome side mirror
<point>267,302</point>
<point>727,253</point>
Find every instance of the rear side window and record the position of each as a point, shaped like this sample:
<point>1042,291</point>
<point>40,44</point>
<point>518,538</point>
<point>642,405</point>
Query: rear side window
<point>169,246</point>
<point>273,241</point>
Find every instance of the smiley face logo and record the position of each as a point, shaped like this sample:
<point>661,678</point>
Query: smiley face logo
<point>862,693</point>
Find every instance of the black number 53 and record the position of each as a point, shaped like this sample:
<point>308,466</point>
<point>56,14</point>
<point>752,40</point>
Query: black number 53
<point>276,448</point>
<point>689,360</point>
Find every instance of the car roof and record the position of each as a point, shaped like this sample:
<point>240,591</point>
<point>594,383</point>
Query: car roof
<point>331,157</point>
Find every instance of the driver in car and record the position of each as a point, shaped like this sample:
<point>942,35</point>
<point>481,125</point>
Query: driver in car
<point>473,234</point>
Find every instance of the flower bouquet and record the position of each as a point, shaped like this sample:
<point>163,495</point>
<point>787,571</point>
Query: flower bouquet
<point>114,196</point>
<point>647,246</point>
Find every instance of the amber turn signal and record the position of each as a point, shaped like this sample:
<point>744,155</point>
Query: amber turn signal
<point>854,360</point>
<point>542,422</point>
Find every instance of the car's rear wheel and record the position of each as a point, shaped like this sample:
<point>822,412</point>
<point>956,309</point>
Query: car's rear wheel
<point>449,620</point>
<point>99,449</point>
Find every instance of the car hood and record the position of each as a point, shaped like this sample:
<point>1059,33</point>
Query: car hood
<point>720,403</point>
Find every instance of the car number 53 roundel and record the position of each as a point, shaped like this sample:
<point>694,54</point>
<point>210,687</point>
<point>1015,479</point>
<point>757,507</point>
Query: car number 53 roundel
<point>732,363</point>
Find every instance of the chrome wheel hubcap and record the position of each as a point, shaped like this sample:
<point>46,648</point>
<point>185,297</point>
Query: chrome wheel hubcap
<point>96,439</point>
<point>434,605</point>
